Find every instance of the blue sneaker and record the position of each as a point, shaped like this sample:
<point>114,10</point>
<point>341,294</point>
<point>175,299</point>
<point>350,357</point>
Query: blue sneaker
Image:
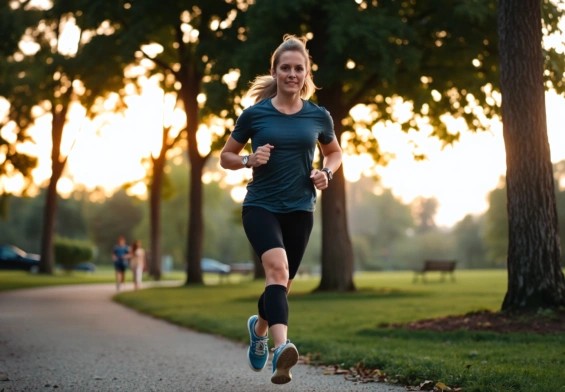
<point>258,351</point>
<point>286,356</point>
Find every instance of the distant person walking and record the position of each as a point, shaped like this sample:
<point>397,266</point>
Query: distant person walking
<point>284,128</point>
<point>137,263</point>
<point>120,253</point>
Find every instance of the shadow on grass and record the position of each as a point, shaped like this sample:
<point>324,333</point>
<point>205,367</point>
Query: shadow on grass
<point>359,295</point>
<point>455,336</point>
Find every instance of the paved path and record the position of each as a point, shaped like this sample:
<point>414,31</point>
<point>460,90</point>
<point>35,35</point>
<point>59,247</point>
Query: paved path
<point>74,338</point>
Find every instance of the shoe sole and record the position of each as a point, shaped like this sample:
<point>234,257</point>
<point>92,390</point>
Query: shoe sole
<point>249,348</point>
<point>286,360</point>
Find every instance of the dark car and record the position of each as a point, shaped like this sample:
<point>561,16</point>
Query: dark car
<point>86,267</point>
<point>13,258</point>
<point>214,267</point>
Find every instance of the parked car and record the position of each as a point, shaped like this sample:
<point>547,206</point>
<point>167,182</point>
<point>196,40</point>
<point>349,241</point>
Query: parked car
<point>214,267</point>
<point>86,267</point>
<point>13,258</point>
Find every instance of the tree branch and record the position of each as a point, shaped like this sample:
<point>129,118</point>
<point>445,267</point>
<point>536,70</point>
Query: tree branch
<point>364,90</point>
<point>159,62</point>
<point>176,139</point>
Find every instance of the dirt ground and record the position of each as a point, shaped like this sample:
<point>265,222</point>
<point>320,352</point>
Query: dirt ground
<point>540,322</point>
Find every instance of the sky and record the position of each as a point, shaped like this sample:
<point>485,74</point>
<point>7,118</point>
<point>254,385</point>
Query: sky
<point>111,151</point>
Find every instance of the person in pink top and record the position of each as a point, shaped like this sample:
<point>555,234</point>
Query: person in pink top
<point>137,263</point>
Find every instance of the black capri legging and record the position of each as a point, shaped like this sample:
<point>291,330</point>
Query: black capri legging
<point>268,230</point>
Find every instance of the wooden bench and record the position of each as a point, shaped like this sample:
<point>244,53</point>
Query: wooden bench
<point>242,268</point>
<point>443,266</point>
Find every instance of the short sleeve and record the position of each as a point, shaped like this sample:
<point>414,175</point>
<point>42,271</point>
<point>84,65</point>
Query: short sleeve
<point>242,130</point>
<point>328,134</point>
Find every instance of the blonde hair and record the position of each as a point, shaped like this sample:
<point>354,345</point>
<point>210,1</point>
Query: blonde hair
<point>265,86</point>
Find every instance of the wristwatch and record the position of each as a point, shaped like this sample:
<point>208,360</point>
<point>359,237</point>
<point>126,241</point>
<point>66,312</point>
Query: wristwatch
<point>328,173</point>
<point>245,161</point>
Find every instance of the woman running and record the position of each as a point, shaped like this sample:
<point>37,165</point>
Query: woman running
<point>284,128</point>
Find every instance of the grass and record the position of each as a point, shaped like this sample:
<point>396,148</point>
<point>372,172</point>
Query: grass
<point>344,328</point>
<point>11,280</point>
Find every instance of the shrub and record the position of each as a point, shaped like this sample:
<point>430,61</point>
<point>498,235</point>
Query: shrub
<point>70,253</point>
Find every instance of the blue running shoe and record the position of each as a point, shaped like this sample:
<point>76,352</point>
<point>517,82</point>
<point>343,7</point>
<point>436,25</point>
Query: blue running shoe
<point>286,356</point>
<point>258,351</point>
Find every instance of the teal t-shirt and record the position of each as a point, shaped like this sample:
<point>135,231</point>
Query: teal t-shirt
<point>283,184</point>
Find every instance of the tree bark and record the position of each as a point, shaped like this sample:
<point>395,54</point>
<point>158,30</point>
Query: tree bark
<point>46,264</point>
<point>195,236</point>
<point>535,278</point>
<point>154,267</point>
<point>337,251</point>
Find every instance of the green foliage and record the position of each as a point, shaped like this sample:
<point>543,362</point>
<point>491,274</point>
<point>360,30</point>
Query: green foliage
<point>376,222</point>
<point>117,216</point>
<point>344,328</point>
<point>403,49</point>
<point>22,228</point>
<point>470,249</point>
<point>410,252</point>
<point>496,231</point>
<point>496,220</point>
<point>69,253</point>
<point>425,210</point>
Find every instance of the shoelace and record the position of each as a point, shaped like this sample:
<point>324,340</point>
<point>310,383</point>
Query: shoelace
<point>279,348</point>
<point>260,347</point>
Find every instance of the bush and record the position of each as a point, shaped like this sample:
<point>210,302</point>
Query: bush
<point>70,253</point>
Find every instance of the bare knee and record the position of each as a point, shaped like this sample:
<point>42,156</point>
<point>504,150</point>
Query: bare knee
<point>277,274</point>
<point>276,266</point>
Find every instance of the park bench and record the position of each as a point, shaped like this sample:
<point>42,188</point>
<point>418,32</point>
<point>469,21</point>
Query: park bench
<point>443,266</point>
<point>242,268</point>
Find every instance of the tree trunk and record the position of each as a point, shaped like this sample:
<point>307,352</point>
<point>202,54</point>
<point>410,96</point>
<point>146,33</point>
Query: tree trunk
<point>50,210</point>
<point>154,267</point>
<point>337,252</point>
<point>195,225</point>
<point>535,278</point>
<point>195,238</point>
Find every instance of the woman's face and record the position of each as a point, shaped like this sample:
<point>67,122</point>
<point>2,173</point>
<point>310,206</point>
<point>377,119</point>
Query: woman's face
<point>290,73</point>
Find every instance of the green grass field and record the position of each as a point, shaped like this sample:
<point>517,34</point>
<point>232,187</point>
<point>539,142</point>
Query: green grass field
<point>12,280</point>
<point>344,328</point>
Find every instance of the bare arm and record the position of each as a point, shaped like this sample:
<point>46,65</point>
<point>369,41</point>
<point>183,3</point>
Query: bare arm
<point>332,155</point>
<point>230,158</point>
<point>332,160</point>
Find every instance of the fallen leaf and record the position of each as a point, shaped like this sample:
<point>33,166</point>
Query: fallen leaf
<point>442,387</point>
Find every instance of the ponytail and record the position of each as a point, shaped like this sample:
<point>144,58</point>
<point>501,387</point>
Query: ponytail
<point>263,87</point>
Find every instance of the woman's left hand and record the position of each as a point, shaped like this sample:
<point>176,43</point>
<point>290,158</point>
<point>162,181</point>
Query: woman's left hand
<point>319,178</point>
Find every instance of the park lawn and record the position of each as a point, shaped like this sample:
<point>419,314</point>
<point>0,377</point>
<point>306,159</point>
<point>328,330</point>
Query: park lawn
<point>11,280</point>
<point>344,328</point>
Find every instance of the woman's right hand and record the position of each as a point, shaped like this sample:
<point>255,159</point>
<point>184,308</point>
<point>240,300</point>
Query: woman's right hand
<point>261,155</point>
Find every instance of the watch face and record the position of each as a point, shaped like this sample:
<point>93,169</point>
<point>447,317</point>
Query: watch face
<point>245,159</point>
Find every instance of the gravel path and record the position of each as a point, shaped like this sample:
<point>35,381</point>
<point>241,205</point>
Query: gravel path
<point>75,338</point>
